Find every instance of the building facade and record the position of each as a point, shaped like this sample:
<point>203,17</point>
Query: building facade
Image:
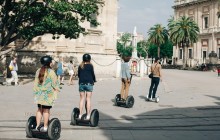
<point>206,13</point>
<point>100,43</point>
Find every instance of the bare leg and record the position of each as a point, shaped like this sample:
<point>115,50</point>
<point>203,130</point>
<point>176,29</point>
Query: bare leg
<point>88,102</point>
<point>62,78</point>
<point>46,115</point>
<point>70,80</point>
<point>39,116</point>
<point>81,103</point>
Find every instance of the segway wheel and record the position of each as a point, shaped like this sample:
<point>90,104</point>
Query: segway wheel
<point>117,98</point>
<point>54,129</point>
<point>74,115</point>
<point>94,118</point>
<point>130,102</point>
<point>31,124</point>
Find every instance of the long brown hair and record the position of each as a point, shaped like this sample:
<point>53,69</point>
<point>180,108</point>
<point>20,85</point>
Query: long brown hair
<point>83,63</point>
<point>42,73</point>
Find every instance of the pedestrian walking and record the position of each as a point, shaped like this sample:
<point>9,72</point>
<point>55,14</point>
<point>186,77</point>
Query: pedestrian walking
<point>86,82</point>
<point>60,72</point>
<point>13,67</point>
<point>125,78</point>
<point>46,88</point>
<point>71,72</point>
<point>155,80</point>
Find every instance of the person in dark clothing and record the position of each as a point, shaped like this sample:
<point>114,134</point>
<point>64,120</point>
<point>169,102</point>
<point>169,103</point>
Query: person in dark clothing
<point>156,70</point>
<point>86,81</point>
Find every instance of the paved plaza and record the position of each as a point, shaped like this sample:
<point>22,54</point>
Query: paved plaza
<point>189,108</point>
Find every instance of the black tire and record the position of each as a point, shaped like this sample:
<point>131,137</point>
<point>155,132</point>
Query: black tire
<point>129,101</point>
<point>31,124</point>
<point>74,115</point>
<point>117,98</point>
<point>94,118</point>
<point>54,129</point>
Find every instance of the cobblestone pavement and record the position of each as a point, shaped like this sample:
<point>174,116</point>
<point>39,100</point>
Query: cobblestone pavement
<point>189,107</point>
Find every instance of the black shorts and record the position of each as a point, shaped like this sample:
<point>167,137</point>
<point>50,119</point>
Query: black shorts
<point>44,106</point>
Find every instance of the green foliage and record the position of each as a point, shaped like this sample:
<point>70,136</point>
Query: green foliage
<point>158,36</point>
<point>125,38</point>
<point>182,30</point>
<point>127,51</point>
<point>165,52</point>
<point>30,18</point>
<point>122,48</point>
<point>142,48</point>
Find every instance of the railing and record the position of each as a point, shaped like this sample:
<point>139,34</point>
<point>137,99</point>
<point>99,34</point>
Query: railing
<point>210,30</point>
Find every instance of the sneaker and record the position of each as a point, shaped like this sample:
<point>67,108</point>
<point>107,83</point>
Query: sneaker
<point>43,129</point>
<point>88,117</point>
<point>153,99</point>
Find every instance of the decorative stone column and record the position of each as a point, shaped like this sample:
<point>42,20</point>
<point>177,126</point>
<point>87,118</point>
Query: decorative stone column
<point>118,67</point>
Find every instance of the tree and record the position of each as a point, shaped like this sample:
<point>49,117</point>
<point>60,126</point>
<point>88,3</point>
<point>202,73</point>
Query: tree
<point>31,18</point>
<point>123,46</point>
<point>183,32</point>
<point>158,35</point>
<point>142,48</point>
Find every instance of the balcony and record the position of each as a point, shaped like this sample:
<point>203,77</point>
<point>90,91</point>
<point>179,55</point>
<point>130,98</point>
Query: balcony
<point>210,30</point>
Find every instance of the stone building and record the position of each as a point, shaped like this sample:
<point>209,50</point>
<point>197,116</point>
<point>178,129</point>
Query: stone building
<point>206,13</point>
<point>100,43</point>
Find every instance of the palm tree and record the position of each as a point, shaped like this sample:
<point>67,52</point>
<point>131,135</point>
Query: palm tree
<point>183,32</point>
<point>158,36</point>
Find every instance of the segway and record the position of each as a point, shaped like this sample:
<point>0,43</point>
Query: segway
<point>93,121</point>
<point>52,133</point>
<point>128,103</point>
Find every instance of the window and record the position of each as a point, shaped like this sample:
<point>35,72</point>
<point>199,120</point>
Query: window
<point>190,53</point>
<point>205,22</point>
<point>181,54</point>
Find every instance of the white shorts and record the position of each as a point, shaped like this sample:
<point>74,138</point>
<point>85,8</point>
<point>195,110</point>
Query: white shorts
<point>71,72</point>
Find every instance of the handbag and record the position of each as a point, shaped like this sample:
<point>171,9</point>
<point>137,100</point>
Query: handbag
<point>151,74</point>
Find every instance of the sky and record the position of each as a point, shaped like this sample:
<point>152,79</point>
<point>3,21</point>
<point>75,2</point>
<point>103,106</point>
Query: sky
<point>143,14</point>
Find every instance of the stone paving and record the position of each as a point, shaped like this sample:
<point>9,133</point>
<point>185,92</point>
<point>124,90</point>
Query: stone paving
<point>189,108</point>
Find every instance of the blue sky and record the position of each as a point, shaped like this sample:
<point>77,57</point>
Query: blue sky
<point>143,14</point>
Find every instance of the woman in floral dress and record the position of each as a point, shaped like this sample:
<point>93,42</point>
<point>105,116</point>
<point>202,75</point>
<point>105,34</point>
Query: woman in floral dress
<point>46,87</point>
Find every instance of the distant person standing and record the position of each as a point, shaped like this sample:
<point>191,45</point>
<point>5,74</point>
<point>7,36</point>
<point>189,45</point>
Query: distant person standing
<point>71,72</point>
<point>60,72</point>
<point>13,68</point>
<point>156,70</point>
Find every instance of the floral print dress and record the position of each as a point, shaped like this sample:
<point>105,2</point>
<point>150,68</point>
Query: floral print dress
<point>46,93</point>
